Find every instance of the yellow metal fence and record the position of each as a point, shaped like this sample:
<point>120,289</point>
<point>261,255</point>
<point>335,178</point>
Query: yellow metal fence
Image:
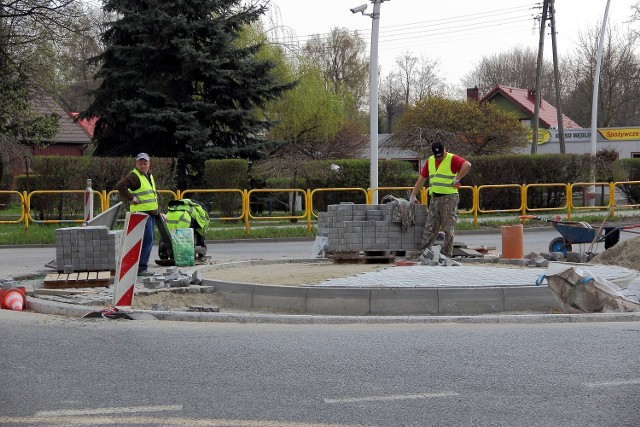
<point>300,205</point>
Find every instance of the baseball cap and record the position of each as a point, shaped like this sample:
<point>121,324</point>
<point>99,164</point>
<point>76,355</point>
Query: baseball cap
<point>437,148</point>
<point>142,156</point>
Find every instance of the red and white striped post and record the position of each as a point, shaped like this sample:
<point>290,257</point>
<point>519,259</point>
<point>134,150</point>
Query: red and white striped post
<point>88,203</point>
<point>127,268</point>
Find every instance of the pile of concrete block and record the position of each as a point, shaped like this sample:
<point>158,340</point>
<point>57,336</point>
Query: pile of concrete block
<point>355,227</point>
<point>173,278</point>
<point>90,248</point>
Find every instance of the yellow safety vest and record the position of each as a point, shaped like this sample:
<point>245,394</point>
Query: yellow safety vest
<point>179,218</point>
<point>441,179</point>
<point>146,194</point>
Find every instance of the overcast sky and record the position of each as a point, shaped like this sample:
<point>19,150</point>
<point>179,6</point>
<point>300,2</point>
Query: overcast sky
<point>456,33</point>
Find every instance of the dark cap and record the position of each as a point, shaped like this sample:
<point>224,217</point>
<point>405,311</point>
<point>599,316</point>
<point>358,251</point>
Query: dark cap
<point>143,156</point>
<point>438,149</point>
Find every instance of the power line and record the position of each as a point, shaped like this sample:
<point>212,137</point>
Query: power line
<point>511,29</point>
<point>453,30</point>
<point>487,19</point>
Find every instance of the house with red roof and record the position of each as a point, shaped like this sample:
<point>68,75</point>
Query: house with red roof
<point>523,103</point>
<point>624,140</point>
<point>72,139</point>
<point>88,125</point>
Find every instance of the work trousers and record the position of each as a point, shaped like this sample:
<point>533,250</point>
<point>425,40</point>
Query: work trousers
<point>147,243</point>
<point>442,215</point>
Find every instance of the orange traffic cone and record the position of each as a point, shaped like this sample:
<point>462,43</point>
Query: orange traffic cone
<point>13,299</point>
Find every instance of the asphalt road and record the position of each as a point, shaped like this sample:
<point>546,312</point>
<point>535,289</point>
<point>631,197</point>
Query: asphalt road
<point>58,371</point>
<point>22,261</point>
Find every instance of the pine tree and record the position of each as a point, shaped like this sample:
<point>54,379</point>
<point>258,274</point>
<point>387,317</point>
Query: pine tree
<point>176,82</point>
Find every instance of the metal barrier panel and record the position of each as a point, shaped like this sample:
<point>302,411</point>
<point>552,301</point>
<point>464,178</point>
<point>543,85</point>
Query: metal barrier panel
<point>589,198</point>
<point>293,194</point>
<point>23,207</point>
<point>628,188</point>
<point>517,187</point>
<point>226,200</point>
<point>370,191</point>
<point>364,192</point>
<point>72,213</point>
<point>565,188</point>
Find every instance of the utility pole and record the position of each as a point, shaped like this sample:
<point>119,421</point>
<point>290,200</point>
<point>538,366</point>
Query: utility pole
<point>536,109</point>
<point>556,76</point>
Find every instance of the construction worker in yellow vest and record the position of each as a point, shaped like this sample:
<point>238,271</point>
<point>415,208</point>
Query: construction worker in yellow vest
<point>139,188</point>
<point>444,171</point>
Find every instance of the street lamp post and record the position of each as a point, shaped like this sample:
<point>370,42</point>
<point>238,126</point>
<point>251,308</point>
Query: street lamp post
<point>373,94</point>
<point>594,100</point>
<point>596,82</point>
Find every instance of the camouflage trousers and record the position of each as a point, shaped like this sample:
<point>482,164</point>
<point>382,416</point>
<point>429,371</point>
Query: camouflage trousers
<point>442,215</point>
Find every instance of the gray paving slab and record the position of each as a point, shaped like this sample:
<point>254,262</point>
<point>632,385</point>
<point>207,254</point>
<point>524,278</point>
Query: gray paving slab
<point>466,276</point>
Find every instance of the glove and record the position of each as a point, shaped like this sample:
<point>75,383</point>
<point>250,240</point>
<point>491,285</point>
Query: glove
<point>413,199</point>
<point>455,183</point>
<point>135,200</point>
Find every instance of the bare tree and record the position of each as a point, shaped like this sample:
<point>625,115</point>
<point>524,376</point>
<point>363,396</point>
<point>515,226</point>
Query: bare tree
<point>391,99</point>
<point>342,58</point>
<point>516,67</point>
<point>619,77</point>
<point>418,77</point>
<point>635,14</point>
<point>406,69</point>
<point>28,29</point>
<point>75,81</point>
<point>427,80</point>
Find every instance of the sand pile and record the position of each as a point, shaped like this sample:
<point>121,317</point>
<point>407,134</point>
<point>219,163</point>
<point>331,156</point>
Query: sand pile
<point>625,254</point>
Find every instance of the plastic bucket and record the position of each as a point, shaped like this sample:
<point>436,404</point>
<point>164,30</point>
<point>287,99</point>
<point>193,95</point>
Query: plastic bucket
<point>512,247</point>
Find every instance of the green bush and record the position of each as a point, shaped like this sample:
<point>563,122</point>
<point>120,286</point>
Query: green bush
<point>631,192</point>
<point>526,169</point>
<point>226,174</point>
<point>72,172</point>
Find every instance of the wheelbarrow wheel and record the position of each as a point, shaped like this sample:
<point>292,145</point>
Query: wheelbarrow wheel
<point>559,245</point>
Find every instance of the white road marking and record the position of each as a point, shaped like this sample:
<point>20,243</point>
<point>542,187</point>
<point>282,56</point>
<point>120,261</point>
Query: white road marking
<point>612,383</point>
<point>391,397</point>
<point>165,421</point>
<point>101,411</point>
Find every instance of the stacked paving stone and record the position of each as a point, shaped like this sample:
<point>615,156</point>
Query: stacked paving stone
<point>173,278</point>
<point>91,248</point>
<point>353,227</point>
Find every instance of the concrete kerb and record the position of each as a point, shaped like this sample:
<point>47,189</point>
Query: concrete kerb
<point>73,310</point>
<point>389,300</point>
<point>336,306</point>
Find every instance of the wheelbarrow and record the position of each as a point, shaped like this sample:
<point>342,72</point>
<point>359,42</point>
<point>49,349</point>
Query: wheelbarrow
<point>577,232</point>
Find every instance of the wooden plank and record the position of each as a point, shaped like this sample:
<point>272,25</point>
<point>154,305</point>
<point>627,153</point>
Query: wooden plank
<point>56,279</point>
<point>52,277</point>
<point>76,284</point>
<point>348,260</point>
<point>78,280</point>
<point>62,292</point>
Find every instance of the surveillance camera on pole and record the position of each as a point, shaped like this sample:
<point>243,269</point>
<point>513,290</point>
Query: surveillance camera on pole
<point>360,9</point>
<point>373,94</point>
